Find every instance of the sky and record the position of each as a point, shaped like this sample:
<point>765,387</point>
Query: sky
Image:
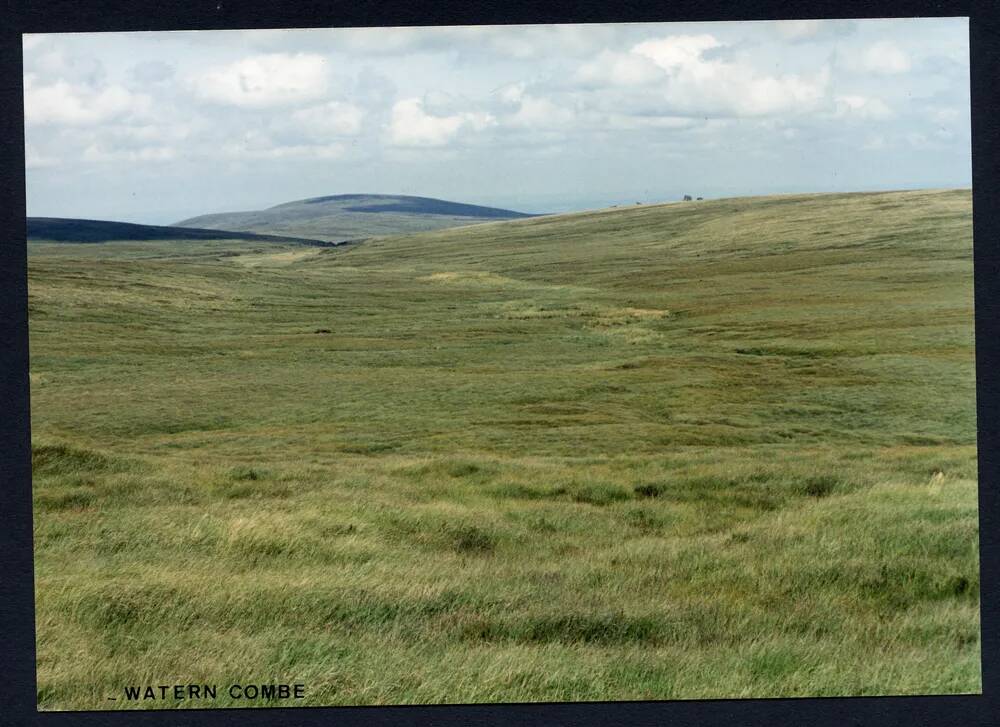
<point>156,127</point>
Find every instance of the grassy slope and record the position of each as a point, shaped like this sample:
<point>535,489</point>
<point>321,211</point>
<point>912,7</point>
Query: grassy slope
<point>722,449</point>
<point>352,217</point>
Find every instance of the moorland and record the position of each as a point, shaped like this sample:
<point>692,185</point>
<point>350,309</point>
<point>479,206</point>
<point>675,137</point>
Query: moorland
<point>713,449</point>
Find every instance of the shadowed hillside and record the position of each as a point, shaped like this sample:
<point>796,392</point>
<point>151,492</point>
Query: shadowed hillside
<point>354,215</point>
<point>58,229</point>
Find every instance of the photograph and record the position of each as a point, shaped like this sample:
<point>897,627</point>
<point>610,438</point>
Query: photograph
<point>502,364</point>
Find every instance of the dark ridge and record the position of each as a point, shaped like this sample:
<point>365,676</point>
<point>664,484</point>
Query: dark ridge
<point>434,207</point>
<point>328,198</point>
<point>413,205</point>
<point>58,229</point>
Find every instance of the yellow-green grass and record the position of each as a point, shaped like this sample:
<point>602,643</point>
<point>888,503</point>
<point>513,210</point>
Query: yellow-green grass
<point>716,449</point>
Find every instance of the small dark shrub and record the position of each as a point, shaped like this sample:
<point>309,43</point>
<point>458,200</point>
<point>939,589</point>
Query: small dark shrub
<point>958,585</point>
<point>819,486</point>
<point>463,469</point>
<point>528,492</point>
<point>470,539</point>
<point>648,490</point>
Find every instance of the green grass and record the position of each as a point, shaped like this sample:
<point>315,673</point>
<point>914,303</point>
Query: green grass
<point>723,449</point>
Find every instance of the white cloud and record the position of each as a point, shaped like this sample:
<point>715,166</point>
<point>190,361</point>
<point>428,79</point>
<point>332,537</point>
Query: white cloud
<point>76,105</point>
<point>289,151</point>
<point>875,142</point>
<point>150,73</point>
<point>707,86</point>
<point>615,121</point>
<point>98,152</point>
<point>519,42</point>
<point>622,96</point>
<point>378,41</point>
<point>273,79</point>
<point>813,30</point>
<point>530,42</point>
<point>677,51</point>
<point>947,116</point>
<point>334,118</point>
<point>918,140</point>
<point>540,113</point>
<point>442,103</point>
<point>661,83</point>
<point>882,58</point>
<point>796,29</point>
<point>259,144</point>
<point>33,159</point>
<point>411,125</point>
<point>30,41</point>
<point>513,46</point>
<point>510,94</point>
<point>155,133</point>
<point>58,64</point>
<point>861,107</point>
<point>619,69</point>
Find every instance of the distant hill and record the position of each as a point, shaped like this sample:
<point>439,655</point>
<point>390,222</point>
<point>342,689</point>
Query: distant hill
<point>345,216</point>
<point>58,229</point>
